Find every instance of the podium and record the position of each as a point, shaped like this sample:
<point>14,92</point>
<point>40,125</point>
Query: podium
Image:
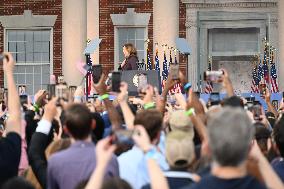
<point>132,77</point>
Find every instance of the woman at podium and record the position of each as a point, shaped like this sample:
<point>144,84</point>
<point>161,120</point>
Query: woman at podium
<point>131,59</point>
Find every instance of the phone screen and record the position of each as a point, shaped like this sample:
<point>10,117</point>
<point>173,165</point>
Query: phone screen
<point>256,112</point>
<point>115,81</point>
<point>215,97</point>
<point>22,89</point>
<point>123,137</point>
<point>174,70</point>
<point>24,99</point>
<point>142,82</point>
<point>97,72</point>
<point>62,92</point>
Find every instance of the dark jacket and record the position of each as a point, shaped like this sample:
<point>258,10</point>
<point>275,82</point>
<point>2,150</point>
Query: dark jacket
<point>131,63</point>
<point>37,158</point>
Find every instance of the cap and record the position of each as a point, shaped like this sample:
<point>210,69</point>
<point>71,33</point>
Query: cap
<point>179,149</point>
<point>180,121</point>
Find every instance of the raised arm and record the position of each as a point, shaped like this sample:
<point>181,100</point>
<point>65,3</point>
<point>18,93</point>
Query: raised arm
<point>114,116</point>
<point>104,152</point>
<point>126,111</point>
<point>227,84</point>
<point>14,107</point>
<point>269,104</point>
<point>270,178</point>
<point>157,177</point>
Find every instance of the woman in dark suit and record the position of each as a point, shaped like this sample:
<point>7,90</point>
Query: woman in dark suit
<point>131,59</point>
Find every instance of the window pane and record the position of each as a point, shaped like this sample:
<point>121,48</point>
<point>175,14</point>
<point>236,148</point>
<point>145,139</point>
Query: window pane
<point>29,36</point>
<point>21,69</point>
<point>37,57</point>
<point>29,57</point>
<point>37,69</point>
<point>131,34</point>
<point>12,35</point>
<point>21,78</point>
<point>140,55</point>
<point>45,35</point>
<point>45,57</point>
<point>21,47</point>
<point>20,35</point>
<point>37,36</point>
<point>29,47</point>
<point>37,78</point>
<point>122,33</point>
<point>29,79</point>
<point>21,57</point>
<point>140,33</point>
<point>45,47</point>
<point>140,44</point>
<point>45,79</point>
<point>37,46</point>
<point>46,69</point>
<point>12,46</point>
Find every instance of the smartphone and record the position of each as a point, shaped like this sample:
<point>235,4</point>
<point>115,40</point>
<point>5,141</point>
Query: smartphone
<point>62,92</point>
<point>142,82</point>
<point>50,91</point>
<point>174,70</point>
<point>72,90</point>
<point>23,99</point>
<point>22,89</point>
<point>213,76</point>
<point>115,81</point>
<point>275,104</point>
<point>283,96</point>
<point>256,111</point>
<point>215,97</point>
<point>123,137</point>
<point>97,71</point>
<point>262,89</point>
<point>2,95</point>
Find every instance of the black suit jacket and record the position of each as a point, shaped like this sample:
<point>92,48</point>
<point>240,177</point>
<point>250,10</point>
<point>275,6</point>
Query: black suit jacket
<point>37,157</point>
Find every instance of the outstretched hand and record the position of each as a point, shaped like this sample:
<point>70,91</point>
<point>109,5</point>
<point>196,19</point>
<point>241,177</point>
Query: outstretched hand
<point>101,87</point>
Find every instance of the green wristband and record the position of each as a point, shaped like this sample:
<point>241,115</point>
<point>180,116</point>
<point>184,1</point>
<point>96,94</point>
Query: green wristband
<point>149,105</point>
<point>36,107</point>
<point>103,97</point>
<point>190,112</point>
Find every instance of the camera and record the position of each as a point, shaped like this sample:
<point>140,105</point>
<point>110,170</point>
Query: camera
<point>213,76</point>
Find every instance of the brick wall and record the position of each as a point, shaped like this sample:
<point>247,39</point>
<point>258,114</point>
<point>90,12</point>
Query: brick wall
<point>108,7</point>
<point>38,7</point>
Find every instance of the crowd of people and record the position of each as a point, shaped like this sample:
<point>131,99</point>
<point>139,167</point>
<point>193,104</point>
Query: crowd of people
<point>139,142</point>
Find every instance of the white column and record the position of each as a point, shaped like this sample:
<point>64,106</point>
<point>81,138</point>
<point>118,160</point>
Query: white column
<point>74,36</point>
<point>166,24</point>
<point>281,44</point>
<point>93,25</point>
<point>191,35</point>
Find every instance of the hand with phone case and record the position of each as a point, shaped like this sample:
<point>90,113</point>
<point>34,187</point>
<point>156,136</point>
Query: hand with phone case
<point>97,71</point>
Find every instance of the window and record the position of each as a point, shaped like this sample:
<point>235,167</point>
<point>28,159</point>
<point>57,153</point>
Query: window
<point>133,35</point>
<point>31,50</point>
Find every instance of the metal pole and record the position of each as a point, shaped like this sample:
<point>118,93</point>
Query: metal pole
<point>87,80</point>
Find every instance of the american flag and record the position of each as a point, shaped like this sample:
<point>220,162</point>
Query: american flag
<point>265,67</point>
<point>149,63</point>
<point>157,63</point>
<point>260,73</point>
<point>165,72</point>
<point>273,74</point>
<point>208,85</point>
<point>255,81</point>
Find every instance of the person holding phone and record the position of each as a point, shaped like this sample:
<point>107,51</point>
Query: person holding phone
<point>131,59</point>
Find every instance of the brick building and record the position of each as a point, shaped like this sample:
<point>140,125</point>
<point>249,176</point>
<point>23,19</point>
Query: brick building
<point>49,36</point>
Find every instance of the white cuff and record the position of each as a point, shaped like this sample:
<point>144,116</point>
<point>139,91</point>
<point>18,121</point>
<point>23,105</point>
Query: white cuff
<point>44,127</point>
